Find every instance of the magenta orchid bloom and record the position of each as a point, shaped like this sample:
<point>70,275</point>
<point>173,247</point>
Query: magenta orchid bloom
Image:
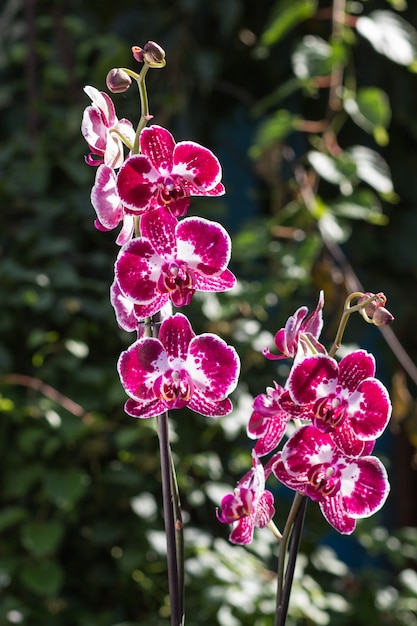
<point>167,174</point>
<point>108,206</point>
<point>268,421</point>
<point>346,489</point>
<point>172,260</point>
<point>343,398</point>
<point>249,506</point>
<point>298,328</point>
<point>179,369</point>
<point>103,131</point>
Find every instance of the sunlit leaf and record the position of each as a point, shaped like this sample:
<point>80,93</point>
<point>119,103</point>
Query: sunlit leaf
<point>285,16</point>
<point>315,57</point>
<point>390,35</point>
<point>362,204</point>
<point>339,170</point>
<point>372,168</point>
<point>370,109</point>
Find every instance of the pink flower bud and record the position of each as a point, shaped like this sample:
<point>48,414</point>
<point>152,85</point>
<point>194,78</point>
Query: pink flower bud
<point>118,81</point>
<point>151,53</point>
<point>382,317</point>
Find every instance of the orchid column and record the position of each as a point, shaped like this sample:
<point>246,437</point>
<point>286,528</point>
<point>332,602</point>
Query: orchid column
<point>144,182</point>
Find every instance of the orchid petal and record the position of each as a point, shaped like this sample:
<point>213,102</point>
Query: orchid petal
<point>196,164</point>
<point>140,365</point>
<point>214,366</point>
<point>158,145</point>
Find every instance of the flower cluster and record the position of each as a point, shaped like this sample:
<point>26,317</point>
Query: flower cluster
<point>144,181</point>
<point>336,410</point>
<point>318,430</point>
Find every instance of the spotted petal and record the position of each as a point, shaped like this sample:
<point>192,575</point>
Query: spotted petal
<point>140,365</point>
<point>197,165</point>
<point>137,270</point>
<point>213,365</point>
<point>312,378</point>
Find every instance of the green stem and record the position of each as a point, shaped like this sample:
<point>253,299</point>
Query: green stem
<point>144,106</point>
<point>298,499</point>
<point>348,310</point>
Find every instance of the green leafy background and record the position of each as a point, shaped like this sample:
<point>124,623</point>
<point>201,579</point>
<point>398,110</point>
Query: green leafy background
<point>81,536</point>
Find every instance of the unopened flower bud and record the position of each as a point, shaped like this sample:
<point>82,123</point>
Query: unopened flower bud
<point>368,311</point>
<point>382,317</point>
<point>118,81</point>
<point>151,53</point>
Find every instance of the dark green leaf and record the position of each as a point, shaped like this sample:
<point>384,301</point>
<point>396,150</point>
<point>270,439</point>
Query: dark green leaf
<point>44,578</point>
<point>41,538</point>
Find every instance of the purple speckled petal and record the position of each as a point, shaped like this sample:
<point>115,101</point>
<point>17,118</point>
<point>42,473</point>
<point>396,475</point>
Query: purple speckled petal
<point>144,409</point>
<point>354,367</point>
<point>203,244</point>
<point>176,334</point>
<point>158,145</point>
<point>335,513</point>
<point>158,226</point>
<point>140,365</point>
<point>223,282</point>
<point>137,270</point>
<point>209,408</point>
<point>105,199</point>
<point>136,183</point>
<point>124,308</point>
<point>369,409</point>
<point>196,164</point>
<point>365,487</point>
<point>242,532</point>
<point>213,365</point>
<point>313,378</point>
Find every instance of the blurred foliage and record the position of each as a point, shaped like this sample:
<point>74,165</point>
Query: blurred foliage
<point>314,122</point>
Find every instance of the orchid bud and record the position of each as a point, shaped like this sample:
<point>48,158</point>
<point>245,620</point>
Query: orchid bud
<point>378,301</point>
<point>151,53</point>
<point>382,317</point>
<point>118,81</point>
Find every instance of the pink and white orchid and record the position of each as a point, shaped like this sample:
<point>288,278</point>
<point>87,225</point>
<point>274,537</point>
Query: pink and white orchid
<point>342,398</point>
<point>346,489</point>
<point>249,506</point>
<point>299,329</point>
<point>108,206</point>
<point>268,421</point>
<point>166,173</point>
<point>179,369</point>
<point>103,131</point>
<point>172,260</point>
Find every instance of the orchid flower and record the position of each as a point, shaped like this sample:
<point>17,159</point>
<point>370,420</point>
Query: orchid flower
<point>179,369</point>
<point>172,260</point>
<point>166,173</point>
<point>103,131</point>
<point>342,398</point>
<point>249,506</point>
<point>345,488</point>
<point>299,328</point>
